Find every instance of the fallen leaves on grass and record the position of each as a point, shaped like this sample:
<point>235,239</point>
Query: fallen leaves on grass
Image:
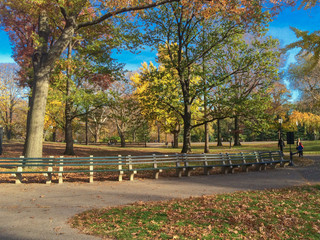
<point>274,214</point>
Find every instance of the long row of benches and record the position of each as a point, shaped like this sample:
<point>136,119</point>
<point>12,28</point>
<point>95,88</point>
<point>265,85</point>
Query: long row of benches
<point>181,163</point>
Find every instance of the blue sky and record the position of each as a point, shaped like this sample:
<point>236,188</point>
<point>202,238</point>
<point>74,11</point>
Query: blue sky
<point>302,19</point>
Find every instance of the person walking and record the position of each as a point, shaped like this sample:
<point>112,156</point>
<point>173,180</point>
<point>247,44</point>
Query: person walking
<point>281,144</point>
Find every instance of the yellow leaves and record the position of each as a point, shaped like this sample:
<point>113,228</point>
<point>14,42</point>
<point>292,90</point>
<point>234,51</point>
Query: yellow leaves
<point>307,119</point>
<point>57,103</point>
<point>3,93</point>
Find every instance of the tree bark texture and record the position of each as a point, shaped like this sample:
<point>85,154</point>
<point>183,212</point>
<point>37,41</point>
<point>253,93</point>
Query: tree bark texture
<point>122,136</point>
<point>68,136</point>
<point>97,134</point>
<point>175,139</point>
<point>9,120</point>
<point>236,132</point>
<point>123,140</point>
<point>219,140</point>
<point>87,129</point>
<point>28,125</point>
<point>54,134</point>
<point>37,114</point>
<point>158,128</point>
<point>206,138</point>
<point>186,148</point>
<point>68,112</point>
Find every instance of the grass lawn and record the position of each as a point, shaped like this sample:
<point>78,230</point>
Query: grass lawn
<point>291,213</point>
<point>310,147</point>
<point>14,149</point>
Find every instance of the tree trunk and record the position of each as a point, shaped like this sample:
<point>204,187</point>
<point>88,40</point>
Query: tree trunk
<point>206,129</point>
<point>68,137</point>
<point>123,140</point>
<point>206,138</point>
<point>28,125</point>
<point>37,113</point>
<point>176,136</point>
<point>54,135</point>
<point>236,132</point>
<point>186,148</point>
<point>68,112</point>
<point>175,139</point>
<point>121,135</point>
<point>6,132</point>
<point>159,133</point>
<point>134,136</point>
<point>10,121</point>
<point>97,135</point>
<point>87,129</point>
<point>219,140</point>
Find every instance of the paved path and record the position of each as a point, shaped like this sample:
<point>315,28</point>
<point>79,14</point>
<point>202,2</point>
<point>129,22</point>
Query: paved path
<point>39,211</point>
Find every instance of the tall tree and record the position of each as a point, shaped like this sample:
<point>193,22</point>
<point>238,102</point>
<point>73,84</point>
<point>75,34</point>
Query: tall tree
<point>159,96</point>
<point>180,31</point>
<point>255,80</point>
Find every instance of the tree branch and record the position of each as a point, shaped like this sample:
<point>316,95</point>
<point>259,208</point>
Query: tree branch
<point>123,10</point>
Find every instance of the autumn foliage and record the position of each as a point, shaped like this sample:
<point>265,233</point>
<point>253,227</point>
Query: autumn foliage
<point>291,213</point>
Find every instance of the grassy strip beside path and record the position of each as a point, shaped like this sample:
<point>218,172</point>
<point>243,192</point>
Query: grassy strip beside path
<point>291,213</point>
<point>14,149</point>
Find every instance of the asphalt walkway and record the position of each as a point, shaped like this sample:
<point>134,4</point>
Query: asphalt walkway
<point>39,211</point>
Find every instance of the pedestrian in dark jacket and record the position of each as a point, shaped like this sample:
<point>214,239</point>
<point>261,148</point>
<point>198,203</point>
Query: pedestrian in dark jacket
<point>300,149</point>
<point>281,144</point>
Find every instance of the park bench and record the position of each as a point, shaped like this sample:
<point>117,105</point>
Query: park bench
<point>181,163</point>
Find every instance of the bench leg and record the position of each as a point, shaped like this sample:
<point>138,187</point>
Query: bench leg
<point>18,178</point>
<point>19,175</point>
<point>60,178</point>
<point>120,176</point>
<point>245,168</point>
<point>273,165</point>
<point>49,178</point>
<point>225,170</point>
<point>207,171</point>
<point>132,175</point>
<point>189,170</point>
<point>258,167</point>
<point>156,173</point>
<point>179,173</point>
<point>91,177</point>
